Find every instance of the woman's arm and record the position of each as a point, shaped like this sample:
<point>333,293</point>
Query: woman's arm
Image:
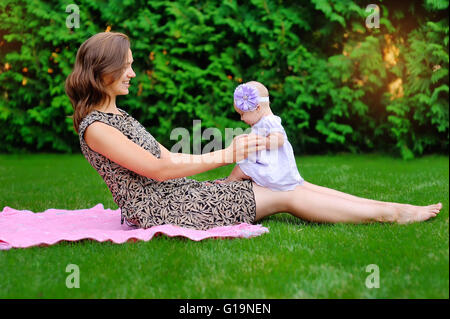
<point>112,144</point>
<point>187,158</point>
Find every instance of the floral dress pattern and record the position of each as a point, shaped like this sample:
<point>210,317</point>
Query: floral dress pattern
<point>145,202</point>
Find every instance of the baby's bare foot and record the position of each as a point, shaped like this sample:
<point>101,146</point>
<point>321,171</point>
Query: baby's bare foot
<point>222,181</point>
<point>409,213</point>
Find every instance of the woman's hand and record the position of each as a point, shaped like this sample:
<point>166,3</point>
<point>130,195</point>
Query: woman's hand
<point>244,145</point>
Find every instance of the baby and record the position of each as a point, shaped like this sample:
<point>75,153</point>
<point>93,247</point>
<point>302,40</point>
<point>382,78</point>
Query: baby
<point>274,167</point>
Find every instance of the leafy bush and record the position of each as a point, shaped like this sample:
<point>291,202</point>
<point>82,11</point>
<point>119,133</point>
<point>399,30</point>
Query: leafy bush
<point>337,85</point>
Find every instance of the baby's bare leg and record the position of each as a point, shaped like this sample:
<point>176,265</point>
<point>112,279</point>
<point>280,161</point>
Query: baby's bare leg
<point>236,175</point>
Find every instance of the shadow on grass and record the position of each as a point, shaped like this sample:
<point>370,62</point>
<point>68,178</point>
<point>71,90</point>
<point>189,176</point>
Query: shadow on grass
<point>288,219</point>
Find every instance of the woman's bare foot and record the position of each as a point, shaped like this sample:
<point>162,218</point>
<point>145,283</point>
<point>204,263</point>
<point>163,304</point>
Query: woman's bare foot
<point>409,213</point>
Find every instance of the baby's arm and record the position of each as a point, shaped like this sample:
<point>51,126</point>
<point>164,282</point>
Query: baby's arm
<point>274,140</point>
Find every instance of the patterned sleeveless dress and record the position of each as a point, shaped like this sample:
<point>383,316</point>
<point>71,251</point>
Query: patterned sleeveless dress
<point>145,202</point>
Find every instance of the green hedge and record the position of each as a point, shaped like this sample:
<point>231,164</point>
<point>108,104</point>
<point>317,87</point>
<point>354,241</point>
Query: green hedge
<point>329,76</point>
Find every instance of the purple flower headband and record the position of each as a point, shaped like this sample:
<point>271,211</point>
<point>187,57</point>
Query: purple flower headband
<point>246,98</point>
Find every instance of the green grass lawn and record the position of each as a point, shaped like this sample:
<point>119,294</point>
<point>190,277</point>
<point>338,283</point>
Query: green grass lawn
<point>296,259</point>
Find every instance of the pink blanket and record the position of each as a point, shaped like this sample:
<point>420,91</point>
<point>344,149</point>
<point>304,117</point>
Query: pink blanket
<point>23,228</point>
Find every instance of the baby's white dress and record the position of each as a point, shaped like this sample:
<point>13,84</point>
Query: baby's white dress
<point>275,169</point>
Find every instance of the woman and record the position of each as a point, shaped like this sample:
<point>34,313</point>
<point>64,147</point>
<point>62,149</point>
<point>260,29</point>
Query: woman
<point>149,183</point>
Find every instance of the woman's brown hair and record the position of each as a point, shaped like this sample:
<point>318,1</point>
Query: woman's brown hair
<point>102,56</point>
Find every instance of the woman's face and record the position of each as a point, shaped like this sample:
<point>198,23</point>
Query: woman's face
<point>121,85</point>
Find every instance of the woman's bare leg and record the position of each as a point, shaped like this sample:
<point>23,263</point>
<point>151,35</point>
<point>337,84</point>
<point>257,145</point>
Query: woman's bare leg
<point>329,191</point>
<point>319,207</point>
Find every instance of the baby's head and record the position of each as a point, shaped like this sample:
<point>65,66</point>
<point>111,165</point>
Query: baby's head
<point>251,101</point>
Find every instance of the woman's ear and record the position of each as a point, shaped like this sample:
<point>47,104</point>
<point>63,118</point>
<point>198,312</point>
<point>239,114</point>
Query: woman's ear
<point>107,80</point>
